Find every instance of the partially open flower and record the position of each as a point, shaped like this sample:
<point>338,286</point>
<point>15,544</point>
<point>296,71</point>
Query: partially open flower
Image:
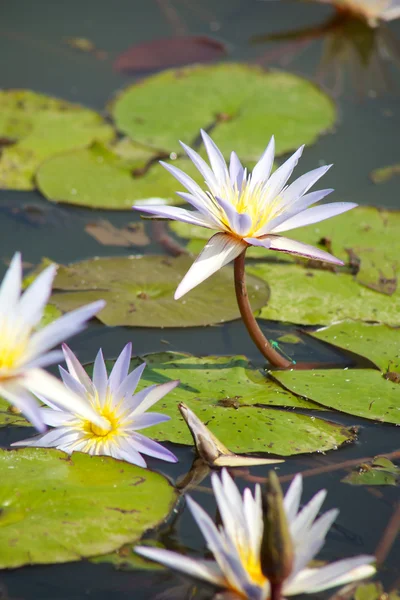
<point>236,545</point>
<point>113,399</point>
<point>247,209</point>
<point>23,351</point>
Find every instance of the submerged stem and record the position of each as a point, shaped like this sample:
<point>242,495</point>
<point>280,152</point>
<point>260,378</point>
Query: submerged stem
<point>249,320</point>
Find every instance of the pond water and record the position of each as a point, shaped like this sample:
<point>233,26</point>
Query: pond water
<point>34,55</point>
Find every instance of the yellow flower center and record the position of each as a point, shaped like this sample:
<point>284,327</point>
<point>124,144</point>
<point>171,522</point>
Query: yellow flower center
<point>100,431</point>
<point>110,427</point>
<point>10,353</point>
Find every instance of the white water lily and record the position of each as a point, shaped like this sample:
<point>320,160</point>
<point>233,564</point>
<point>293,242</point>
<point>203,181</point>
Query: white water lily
<point>113,399</point>
<point>372,11</point>
<point>236,544</point>
<point>23,351</point>
<point>247,209</point>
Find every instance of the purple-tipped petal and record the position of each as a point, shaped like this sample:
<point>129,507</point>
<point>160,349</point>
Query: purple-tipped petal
<point>10,288</point>
<point>100,376</point>
<point>120,368</point>
<point>16,395</point>
<point>148,420</point>
<point>263,168</point>
<point>202,167</point>
<point>301,186</point>
<point>186,181</point>
<point>129,385</point>
<point>282,244</point>
<point>146,398</point>
<point>75,368</point>
<point>220,250</point>
<point>149,447</point>
<point>301,205</point>
<point>71,383</point>
<point>177,214</point>
<point>33,300</point>
<point>278,179</point>
<point>236,171</point>
<point>315,215</point>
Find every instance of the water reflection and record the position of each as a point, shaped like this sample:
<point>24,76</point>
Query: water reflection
<point>352,50</point>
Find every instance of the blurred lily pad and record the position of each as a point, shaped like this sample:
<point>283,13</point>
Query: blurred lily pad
<point>225,392</point>
<point>380,472</point>
<point>105,233</point>
<point>378,343</point>
<point>109,178</point>
<point>317,297</point>
<point>126,559</point>
<point>139,292</point>
<point>383,174</point>
<point>10,416</point>
<point>246,103</point>
<point>34,127</point>
<point>56,508</point>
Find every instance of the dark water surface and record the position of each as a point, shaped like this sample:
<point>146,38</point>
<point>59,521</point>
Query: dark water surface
<point>33,55</point>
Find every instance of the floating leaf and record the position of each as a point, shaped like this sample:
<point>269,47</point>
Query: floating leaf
<point>105,233</point>
<point>139,292</point>
<point>316,297</point>
<point>56,508</point>
<point>360,392</point>
<point>380,472</point>
<point>9,415</point>
<point>50,314</point>
<point>379,343</point>
<point>246,104</point>
<point>169,52</point>
<point>224,392</point>
<point>101,177</point>
<point>38,127</point>
<point>126,559</point>
<point>383,174</point>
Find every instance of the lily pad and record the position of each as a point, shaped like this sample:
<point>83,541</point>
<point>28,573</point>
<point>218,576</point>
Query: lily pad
<point>103,177</point>
<point>126,559</point>
<point>383,174</point>
<point>316,297</point>
<point>56,508</point>
<point>379,343</point>
<point>380,472</point>
<point>10,416</point>
<point>360,392</point>
<point>139,292</point>
<point>245,103</point>
<point>224,393</point>
<point>35,127</point>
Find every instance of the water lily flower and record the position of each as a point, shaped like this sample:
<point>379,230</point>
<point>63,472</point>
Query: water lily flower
<point>247,209</point>
<point>113,399</point>
<point>372,11</point>
<point>24,351</point>
<point>236,544</point>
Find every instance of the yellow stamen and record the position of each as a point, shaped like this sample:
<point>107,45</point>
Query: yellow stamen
<point>10,352</point>
<point>110,427</point>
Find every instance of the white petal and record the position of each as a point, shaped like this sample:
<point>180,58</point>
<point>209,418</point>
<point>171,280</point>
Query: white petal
<point>148,420</point>
<point>10,288</point>
<point>263,168</point>
<point>40,382</point>
<point>217,161</point>
<point>147,446</point>
<point>282,174</point>
<point>34,299</point>
<point>64,327</point>
<point>304,519</point>
<point>146,398</point>
<point>45,360</point>
<point>239,223</point>
<point>187,182</point>
<point>100,377</point>
<point>73,384</point>
<point>338,573</point>
<point>292,498</point>
<point>55,418</point>
<point>202,167</point>
<point>129,385</point>
<point>14,392</point>
<point>315,215</point>
<point>218,252</point>
<point>120,368</point>
<point>283,244</point>
<point>178,214</point>
<point>200,570</point>
<point>300,186</point>
<point>236,171</point>
<point>76,370</point>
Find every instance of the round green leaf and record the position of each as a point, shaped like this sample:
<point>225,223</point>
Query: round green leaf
<point>380,472</point>
<point>379,343</point>
<point>246,103</point>
<point>37,127</point>
<point>56,508</point>
<point>360,392</point>
<point>139,291</point>
<point>317,297</point>
<point>102,177</point>
<point>226,394</point>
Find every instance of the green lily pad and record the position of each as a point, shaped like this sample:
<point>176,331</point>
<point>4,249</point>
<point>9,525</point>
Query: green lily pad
<point>56,508</point>
<point>225,393</point>
<point>38,127</point>
<point>360,392</point>
<point>380,472</point>
<point>383,174</point>
<point>246,103</point>
<point>316,297</point>
<point>109,178</point>
<point>139,292</point>
<point>379,343</point>
<point>126,559</point>
<point>10,416</point>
